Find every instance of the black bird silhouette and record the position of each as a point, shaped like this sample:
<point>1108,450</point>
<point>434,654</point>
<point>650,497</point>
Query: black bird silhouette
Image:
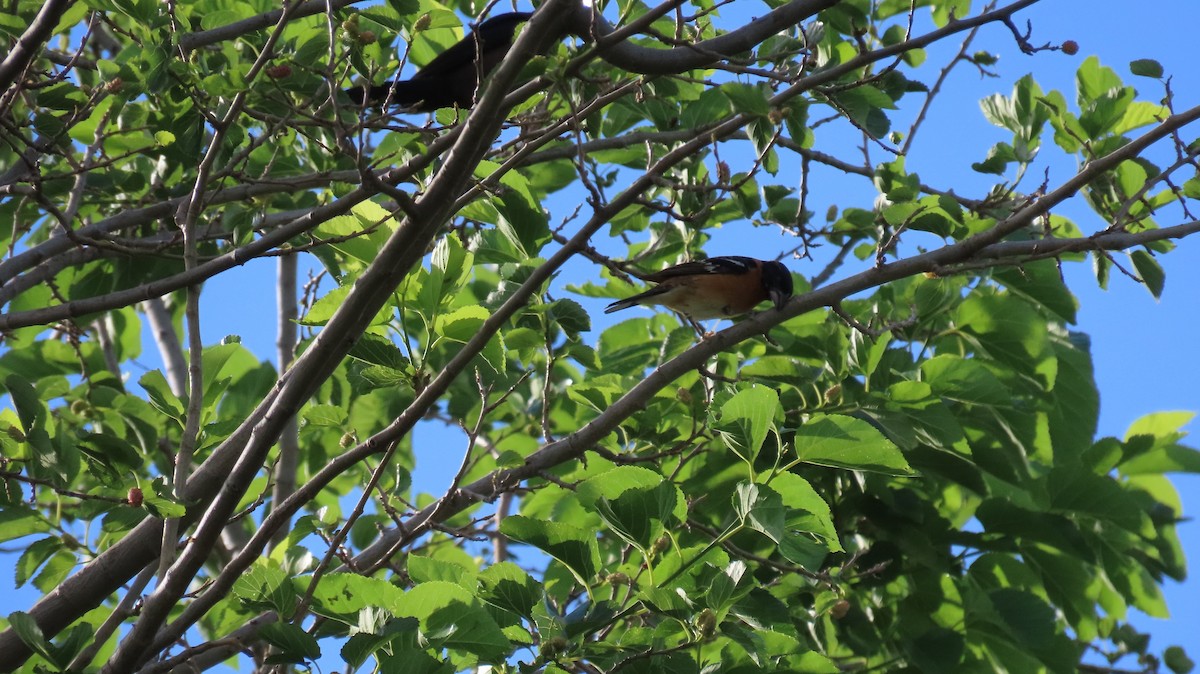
<point>452,77</point>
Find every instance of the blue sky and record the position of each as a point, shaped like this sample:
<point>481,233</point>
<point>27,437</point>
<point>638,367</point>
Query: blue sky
<point>1144,349</point>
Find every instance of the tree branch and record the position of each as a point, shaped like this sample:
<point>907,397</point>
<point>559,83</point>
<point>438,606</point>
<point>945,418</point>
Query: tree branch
<point>31,41</point>
<point>169,348</point>
<point>285,351</point>
<point>1025,251</point>
<point>592,27</point>
<point>28,259</point>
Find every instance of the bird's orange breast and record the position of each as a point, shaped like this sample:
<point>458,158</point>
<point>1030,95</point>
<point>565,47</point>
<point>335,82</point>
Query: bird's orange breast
<point>715,296</point>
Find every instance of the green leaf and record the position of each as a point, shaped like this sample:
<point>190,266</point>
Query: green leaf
<point>27,629</point>
<point>411,661</point>
<point>1026,616</point>
<point>1069,586</point>
<point>807,511</point>
<point>228,14</point>
<point>160,501</point>
<point>865,105</point>
<point>599,395</point>
<point>845,442</point>
<point>453,261</point>
<point>1139,114</point>
<point>637,514</point>
<point>339,596</point>
<point>1075,412</point>
<point>57,568</point>
<point>265,586</point>
<point>34,556</point>
<point>1146,68</point>
<point>1002,517</point>
<point>1150,272</point>
<point>356,237</point>
<point>1022,113</point>
<point>711,106</point>
<point>493,353</point>
<point>430,285</point>
<point>397,635</point>
<point>574,546</point>
<point>1166,426</point>
<point>760,508</point>
<point>964,380</point>
<point>866,353</point>
<point>62,96</point>
<point>1075,492</point>
<point>294,644</point>
<point>666,602</point>
<point>424,569</point>
<point>378,376</point>
<point>1042,282</point>
<point>747,98</point>
<point>461,324</point>
<point>570,316</point>
<point>16,521</point>
<point>330,416</point>
<point>160,395</point>
<point>611,485</point>
<point>453,618</point>
<point>523,221</point>
<point>1102,97</point>
<point>999,156</point>
<point>724,585</point>
<point>1169,459</point>
<point>220,361</point>
<point>1177,660</point>
<point>25,399</point>
<point>1010,331</point>
<point>921,215</point>
<point>746,418</point>
<point>109,456</point>
<point>323,309</point>
<point>938,650</point>
<point>509,587</point>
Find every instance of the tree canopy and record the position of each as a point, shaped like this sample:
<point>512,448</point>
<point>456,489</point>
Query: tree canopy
<point>898,470</point>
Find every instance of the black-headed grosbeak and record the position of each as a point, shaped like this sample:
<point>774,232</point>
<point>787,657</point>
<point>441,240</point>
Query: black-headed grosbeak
<point>719,287</point>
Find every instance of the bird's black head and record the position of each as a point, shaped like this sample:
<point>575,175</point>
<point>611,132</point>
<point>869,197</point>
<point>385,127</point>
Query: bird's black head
<point>777,281</point>
<point>501,26</point>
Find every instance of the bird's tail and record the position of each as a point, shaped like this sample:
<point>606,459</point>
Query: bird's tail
<point>621,304</point>
<point>405,93</point>
<point>635,300</point>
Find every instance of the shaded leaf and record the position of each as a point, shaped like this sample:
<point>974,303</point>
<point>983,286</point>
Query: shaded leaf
<point>1146,68</point>
<point>844,442</point>
<point>574,546</point>
<point>294,644</point>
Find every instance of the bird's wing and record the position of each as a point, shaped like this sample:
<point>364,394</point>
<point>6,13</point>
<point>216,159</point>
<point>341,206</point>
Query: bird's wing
<point>731,264</point>
<point>490,34</point>
<point>459,55</point>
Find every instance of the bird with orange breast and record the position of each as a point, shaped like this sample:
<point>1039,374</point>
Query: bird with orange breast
<point>718,287</point>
